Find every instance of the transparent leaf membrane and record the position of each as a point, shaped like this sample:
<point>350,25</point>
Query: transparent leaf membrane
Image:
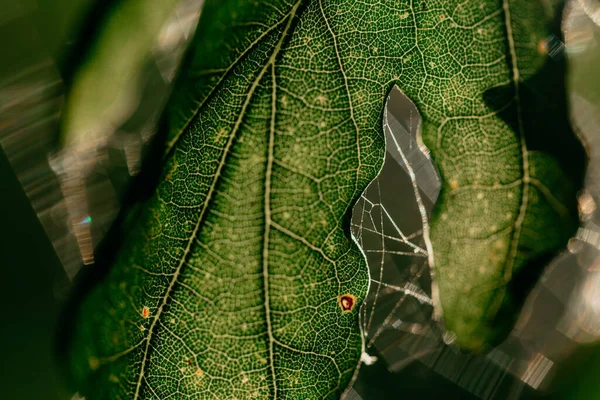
<point>387,223</point>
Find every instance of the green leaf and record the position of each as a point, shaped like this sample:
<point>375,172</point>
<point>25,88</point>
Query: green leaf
<point>510,163</point>
<point>240,279</point>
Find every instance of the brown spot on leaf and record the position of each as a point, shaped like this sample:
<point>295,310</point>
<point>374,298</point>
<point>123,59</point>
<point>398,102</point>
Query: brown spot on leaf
<point>145,312</point>
<point>347,302</point>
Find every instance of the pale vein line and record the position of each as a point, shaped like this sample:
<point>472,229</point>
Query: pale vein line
<point>557,205</point>
<point>312,353</point>
<point>399,240</point>
<point>267,206</point>
<point>398,304</point>
<point>400,253</point>
<point>209,195</point>
<point>226,71</point>
<point>115,357</point>
<point>347,87</point>
<point>381,262</point>
<point>301,240</point>
<point>399,231</point>
<point>424,222</point>
<point>387,320</point>
<point>364,309</point>
<point>411,290</point>
<point>524,155</point>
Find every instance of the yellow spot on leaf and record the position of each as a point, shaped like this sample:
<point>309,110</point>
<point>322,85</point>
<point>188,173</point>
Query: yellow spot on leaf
<point>94,363</point>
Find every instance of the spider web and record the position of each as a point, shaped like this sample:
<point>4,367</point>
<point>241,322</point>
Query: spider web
<point>390,223</point>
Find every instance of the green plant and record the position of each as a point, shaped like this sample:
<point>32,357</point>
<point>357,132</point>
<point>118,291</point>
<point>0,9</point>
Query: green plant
<point>239,278</point>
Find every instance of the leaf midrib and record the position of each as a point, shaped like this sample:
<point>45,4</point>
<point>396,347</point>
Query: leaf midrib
<point>225,73</point>
<point>222,162</point>
<point>513,248</point>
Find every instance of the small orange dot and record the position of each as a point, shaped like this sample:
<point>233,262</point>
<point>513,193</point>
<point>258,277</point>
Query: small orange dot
<point>453,185</point>
<point>145,312</point>
<point>543,47</point>
<point>199,372</point>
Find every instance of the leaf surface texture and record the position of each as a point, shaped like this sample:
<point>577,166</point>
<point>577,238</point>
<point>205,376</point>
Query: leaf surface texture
<point>236,280</point>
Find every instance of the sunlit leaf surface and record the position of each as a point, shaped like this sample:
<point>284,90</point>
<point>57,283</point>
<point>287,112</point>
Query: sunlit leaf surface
<point>240,279</point>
